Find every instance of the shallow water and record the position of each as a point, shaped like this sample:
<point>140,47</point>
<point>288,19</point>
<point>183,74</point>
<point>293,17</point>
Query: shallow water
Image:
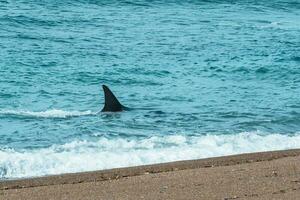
<point>204,78</point>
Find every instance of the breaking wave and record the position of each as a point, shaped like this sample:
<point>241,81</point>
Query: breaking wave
<point>106,153</point>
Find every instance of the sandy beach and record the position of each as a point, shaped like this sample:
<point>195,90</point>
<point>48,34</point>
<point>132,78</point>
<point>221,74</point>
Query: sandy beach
<point>265,175</point>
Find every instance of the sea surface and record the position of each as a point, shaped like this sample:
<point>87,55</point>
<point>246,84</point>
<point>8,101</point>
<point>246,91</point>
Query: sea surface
<point>202,79</point>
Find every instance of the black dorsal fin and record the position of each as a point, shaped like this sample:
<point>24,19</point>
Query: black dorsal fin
<point>111,104</point>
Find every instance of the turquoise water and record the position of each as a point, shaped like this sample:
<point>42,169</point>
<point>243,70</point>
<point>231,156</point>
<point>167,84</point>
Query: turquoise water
<point>204,78</point>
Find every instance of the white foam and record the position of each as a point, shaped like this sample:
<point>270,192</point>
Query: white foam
<point>54,113</point>
<point>106,153</point>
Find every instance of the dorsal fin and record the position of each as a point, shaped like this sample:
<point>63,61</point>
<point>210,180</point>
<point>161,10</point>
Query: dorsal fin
<point>111,104</point>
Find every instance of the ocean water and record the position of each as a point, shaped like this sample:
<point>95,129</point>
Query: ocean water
<point>203,79</point>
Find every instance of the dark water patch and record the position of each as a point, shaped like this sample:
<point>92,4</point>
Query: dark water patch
<point>28,21</point>
<point>236,115</point>
<point>262,21</point>
<point>138,3</point>
<point>262,70</point>
<point>296,58</point>
<point>27,37</point>
<point>8,95</point>
<point>244,70</point>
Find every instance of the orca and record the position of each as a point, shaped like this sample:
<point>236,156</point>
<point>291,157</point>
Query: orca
<point>111,103</point>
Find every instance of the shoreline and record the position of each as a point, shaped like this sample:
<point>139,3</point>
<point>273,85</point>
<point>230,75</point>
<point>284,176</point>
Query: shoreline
<point>264,176</point>
<point>118,173</point>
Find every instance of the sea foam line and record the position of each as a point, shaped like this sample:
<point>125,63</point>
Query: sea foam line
<point>105,153</point>
<point>54,113</point>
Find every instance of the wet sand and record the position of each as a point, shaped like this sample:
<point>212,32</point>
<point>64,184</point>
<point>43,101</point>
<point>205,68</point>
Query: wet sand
<point>265,175</point>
